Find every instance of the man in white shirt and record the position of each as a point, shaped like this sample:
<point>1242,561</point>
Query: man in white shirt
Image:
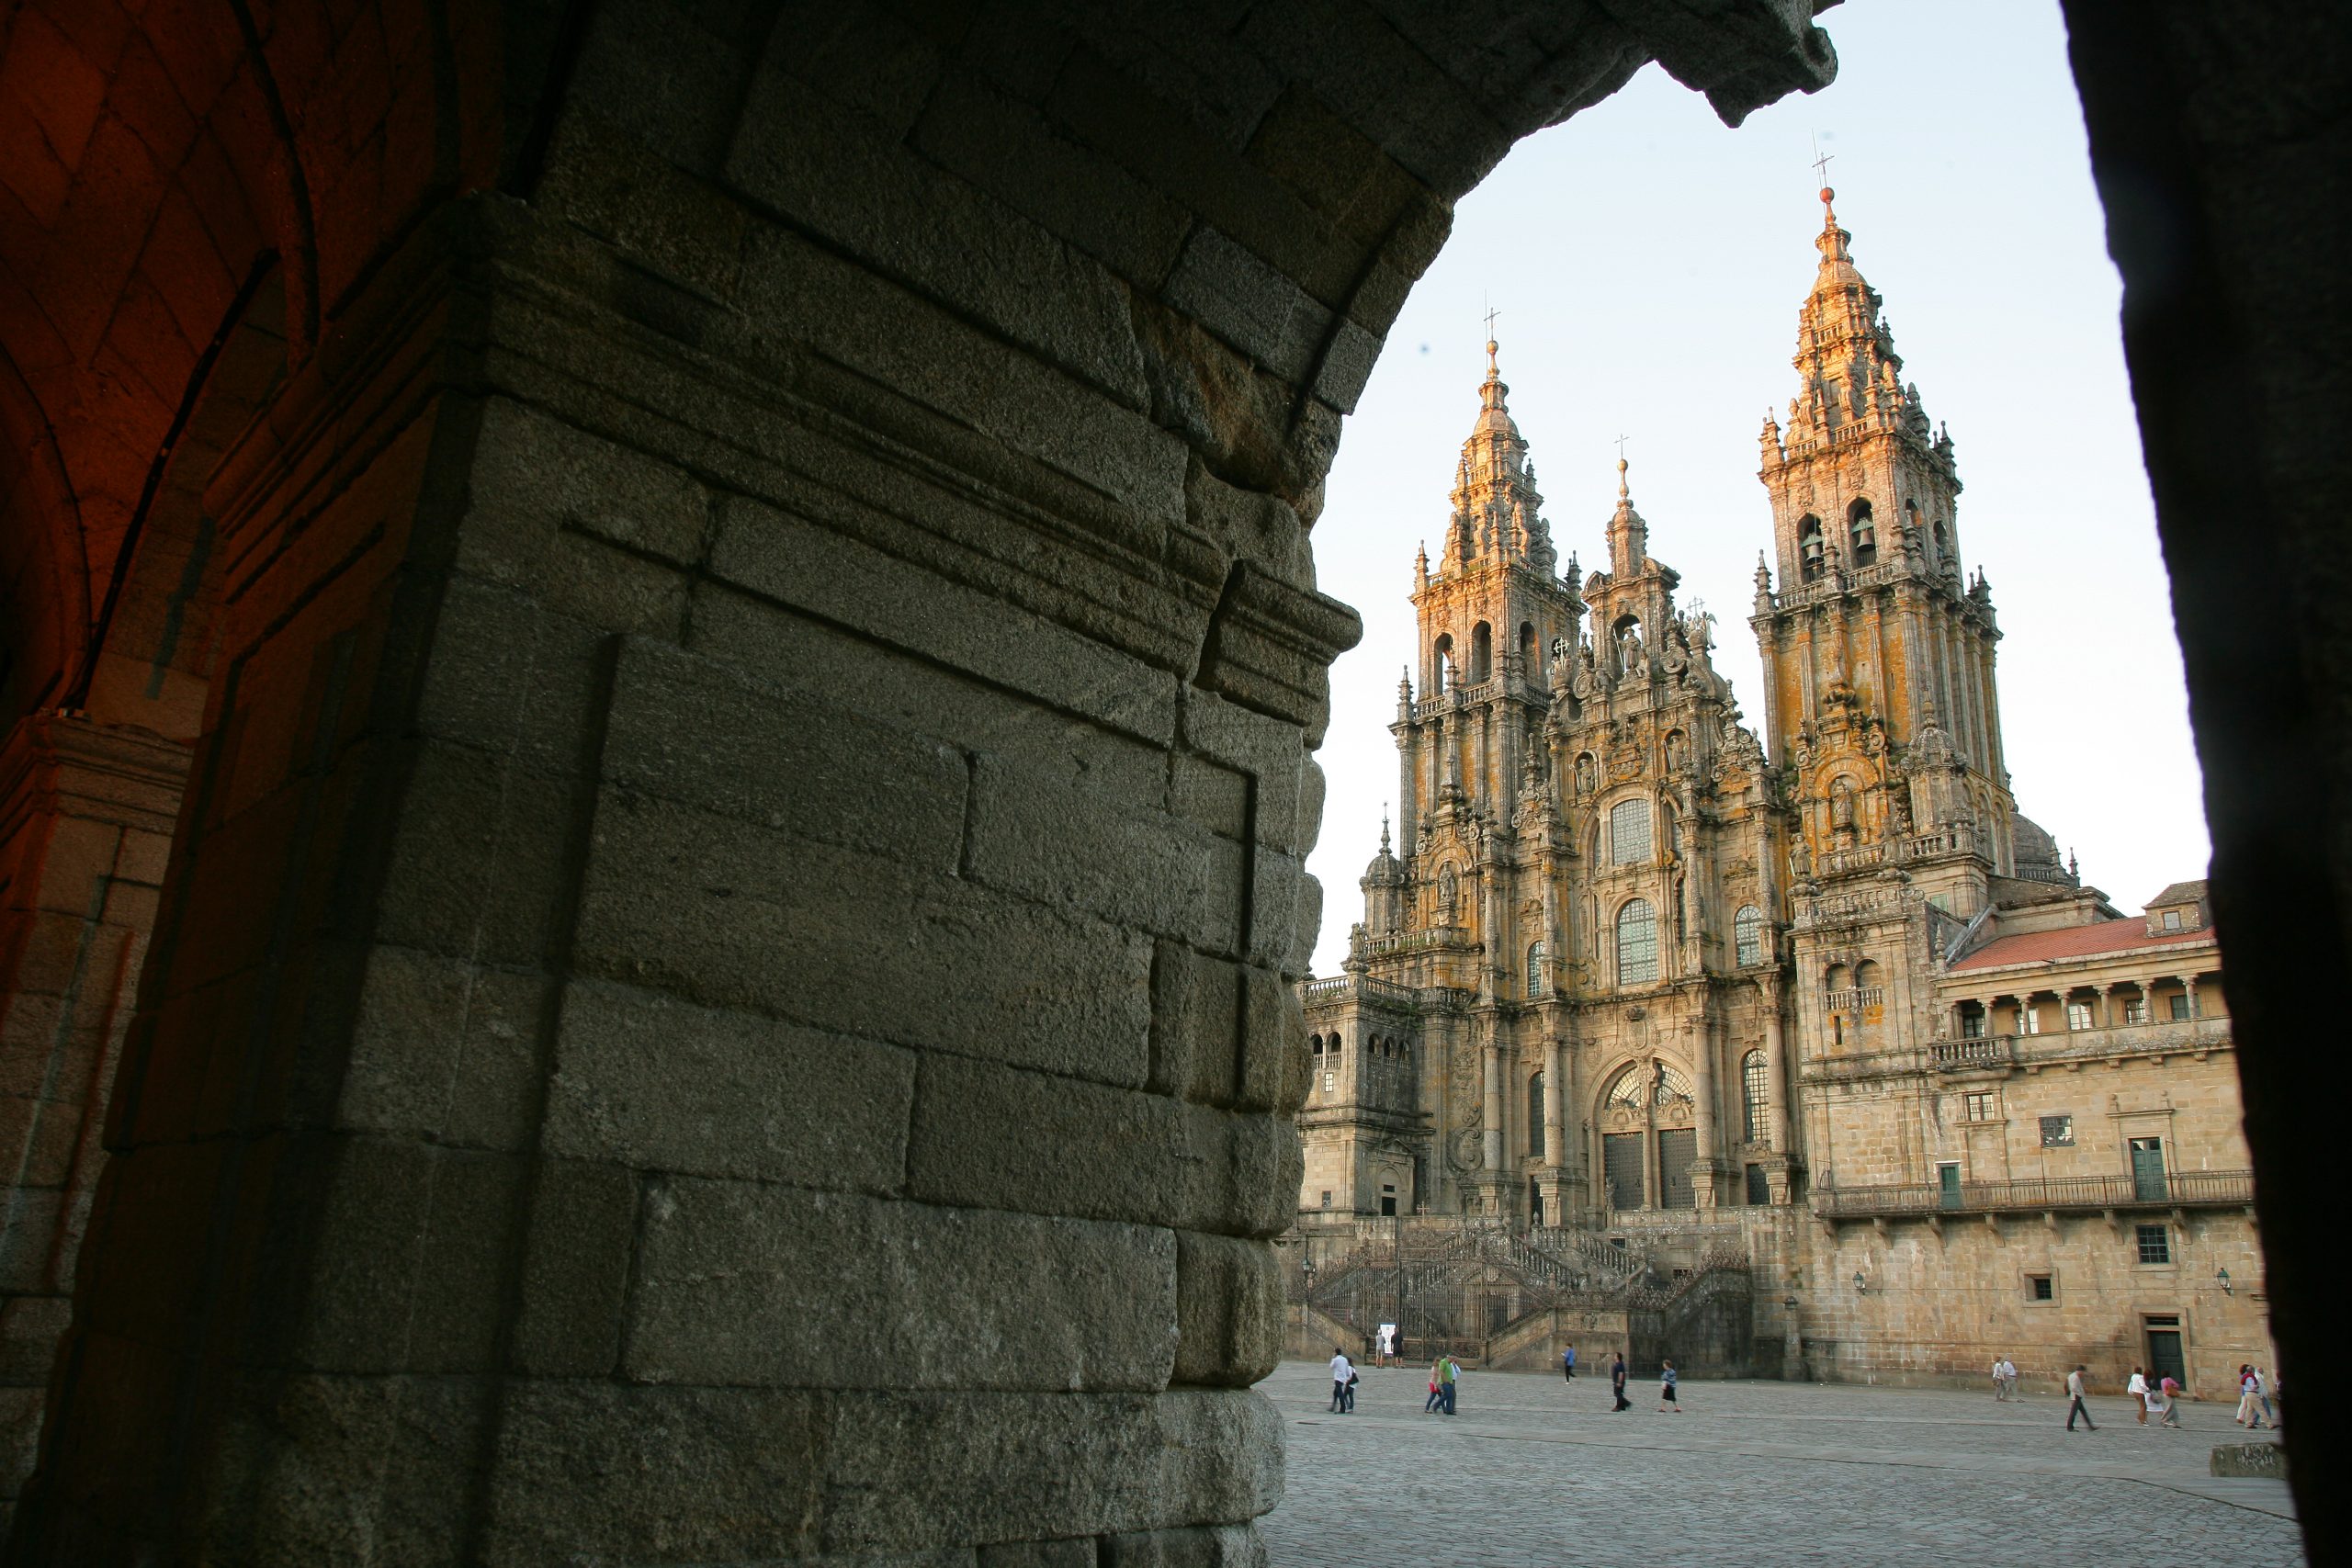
<point>1342,1370</point>
<point>2138,1389</point>
<point>2074,1406</point>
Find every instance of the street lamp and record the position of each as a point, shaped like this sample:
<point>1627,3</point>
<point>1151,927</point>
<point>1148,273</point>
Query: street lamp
<point>2221,1278</point>
<point>1861,1286</point>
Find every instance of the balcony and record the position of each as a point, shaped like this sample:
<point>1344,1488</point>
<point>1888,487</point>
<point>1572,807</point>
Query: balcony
<point>1428,939</point>
<point>2064,1194</point>
<point>1967,1056</point>
<point>1356,987</point>
<point>1855,1000</point>
<point>2186,1036</point>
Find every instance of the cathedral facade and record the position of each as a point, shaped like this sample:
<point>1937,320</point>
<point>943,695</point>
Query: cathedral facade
<point>1811,990</point>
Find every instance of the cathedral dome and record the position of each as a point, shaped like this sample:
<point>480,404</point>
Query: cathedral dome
<point>2036,851</point>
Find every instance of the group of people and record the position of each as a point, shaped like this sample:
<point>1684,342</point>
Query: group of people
<point>1445,1378</point>
<point>2158,1396</point>
<point>2253,1401</point>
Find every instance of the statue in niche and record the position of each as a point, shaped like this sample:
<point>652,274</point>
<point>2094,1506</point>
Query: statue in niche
<point>1587,682</point>
<point>1841,813</point>
<point>1676,752</point>
<point>1584,774</point>
<point>1632,657</point>
<point>1448,892</point>
<point>1898,807</point>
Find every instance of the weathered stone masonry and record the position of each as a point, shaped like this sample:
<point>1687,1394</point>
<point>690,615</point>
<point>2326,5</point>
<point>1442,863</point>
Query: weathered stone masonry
<point>720,994</point>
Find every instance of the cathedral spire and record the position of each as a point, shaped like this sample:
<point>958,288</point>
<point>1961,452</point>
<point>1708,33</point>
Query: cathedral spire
<point>1496,506</point>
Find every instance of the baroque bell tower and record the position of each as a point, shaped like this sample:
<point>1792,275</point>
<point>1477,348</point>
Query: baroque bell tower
<point>1877,650</point>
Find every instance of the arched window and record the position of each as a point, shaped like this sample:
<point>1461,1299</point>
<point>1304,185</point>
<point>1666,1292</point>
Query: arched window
<point>1747,935</point>
<point>1530,652</point>
<point>1441,656</point>
<point>1636,943</point>
<point>1862,533</point>
<point>1535,969</point>
<point>1482,652</point>
<point>1809,560</point>
<point>1315,1044</point>
<point>1751,1096</point>
<point>1535,1116</point>
<point>1629,832</point>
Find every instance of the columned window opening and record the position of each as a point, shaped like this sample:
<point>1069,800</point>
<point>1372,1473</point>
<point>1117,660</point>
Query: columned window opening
<point>1809,550</point>
<point>1482,652</point>
<point>1441,656</point>
<point>1862,534</point>
<point>1535,1116</point>
<point>1535,956</point>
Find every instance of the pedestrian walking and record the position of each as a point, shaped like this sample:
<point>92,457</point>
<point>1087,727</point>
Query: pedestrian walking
<point>2249,1399</point>
<point>2138,1389</point>
<point>2160,1403</point>
<point>1435,1396</point>
<point>2000,1389</point>
<point>2009,1377</point>
<point>1568,1364</point>
<point>1343,1372</point>
<point>1665,1400</point>
<point>2262,1393</point>
<point>1617,1384</point>
<point>1449,1379</point>
<point>2074,1406</point>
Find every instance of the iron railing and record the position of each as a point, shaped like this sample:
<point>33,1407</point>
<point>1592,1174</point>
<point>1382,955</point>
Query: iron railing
<point>2170,1189</point>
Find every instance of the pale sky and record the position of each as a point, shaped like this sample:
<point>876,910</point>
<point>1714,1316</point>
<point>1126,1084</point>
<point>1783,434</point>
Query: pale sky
<point>1648,263</point>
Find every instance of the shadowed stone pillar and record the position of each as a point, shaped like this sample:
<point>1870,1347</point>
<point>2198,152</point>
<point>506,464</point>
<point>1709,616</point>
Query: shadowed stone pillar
<point>87,811</point>
<point>673,968</point>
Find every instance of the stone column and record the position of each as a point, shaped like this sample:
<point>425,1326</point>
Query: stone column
<point>1555,1138</point>
<point>1709,1164</point>
<point>1776,1067</point>
<point>1495,1100</point>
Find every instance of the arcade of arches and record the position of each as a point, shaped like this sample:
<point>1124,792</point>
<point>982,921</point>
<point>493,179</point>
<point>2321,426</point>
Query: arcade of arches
<point>658,661</point>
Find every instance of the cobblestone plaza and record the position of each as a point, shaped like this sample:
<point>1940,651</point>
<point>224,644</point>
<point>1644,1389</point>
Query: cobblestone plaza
<point>1532,1471</point>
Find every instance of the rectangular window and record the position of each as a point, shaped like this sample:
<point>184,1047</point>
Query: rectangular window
<point>1972,1026</point>
<point>1330,1082</point>
<point>2038,1287</point>
<point>2078,1015</point>
<point>2179,1002</point>
<point>1980,1106</point>
<point>2028,1021</point>
<point>1759,1190</point>
<point>2136,1011</point>
<point>2057,1132</point>
<point>2172,920</point>
<point>1327,1200</point>
<point>2155,1245</point>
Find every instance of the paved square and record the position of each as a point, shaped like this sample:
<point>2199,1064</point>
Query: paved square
<point>1535,1471</point>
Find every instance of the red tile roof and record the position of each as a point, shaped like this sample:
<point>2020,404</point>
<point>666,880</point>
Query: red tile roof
<point>2075,941</point>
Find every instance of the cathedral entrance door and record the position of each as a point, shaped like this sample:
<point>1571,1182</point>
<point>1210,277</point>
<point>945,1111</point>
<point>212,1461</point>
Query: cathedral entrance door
<point>1621,1159</point>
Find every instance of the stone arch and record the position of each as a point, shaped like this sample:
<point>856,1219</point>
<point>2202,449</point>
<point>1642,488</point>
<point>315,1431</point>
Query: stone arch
<point>579,329</point>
